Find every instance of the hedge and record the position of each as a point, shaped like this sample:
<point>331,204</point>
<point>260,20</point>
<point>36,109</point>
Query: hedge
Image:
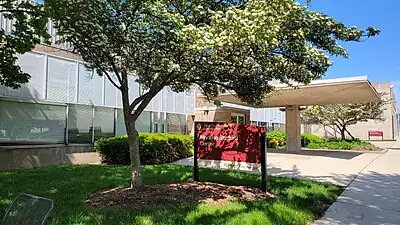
<point>345,145</point>
<point>155,148</point>
<point>277,139</point>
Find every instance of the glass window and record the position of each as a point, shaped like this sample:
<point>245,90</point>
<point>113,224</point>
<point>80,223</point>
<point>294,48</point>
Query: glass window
<point>31,122</point>
<point>158,122</point>
<point>176,123</point>
<point>120,129</point>
<point>103,122</point>
<point>238,118</point>
<point>262,124</point>
<point>143,123</point>
<point>80,123</point>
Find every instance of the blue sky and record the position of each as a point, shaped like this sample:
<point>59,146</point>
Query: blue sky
<point>378,57</point>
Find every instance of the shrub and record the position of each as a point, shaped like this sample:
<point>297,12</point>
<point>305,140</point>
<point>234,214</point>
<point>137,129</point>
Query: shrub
<point>276,142</point>
<point>313,145</point>
<point>154,148</point>
<point>362,145</point>
<point>113,150</point>
<point>339,145</point>
<point>276,139</point>
<point>277,134</point>
<point>306,139</point>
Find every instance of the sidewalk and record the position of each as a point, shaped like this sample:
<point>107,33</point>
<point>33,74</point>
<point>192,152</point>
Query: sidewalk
<point>373,198</point>
<point>325,166</point>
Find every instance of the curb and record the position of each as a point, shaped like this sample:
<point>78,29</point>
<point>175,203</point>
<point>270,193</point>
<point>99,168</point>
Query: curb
<point>305,150</point>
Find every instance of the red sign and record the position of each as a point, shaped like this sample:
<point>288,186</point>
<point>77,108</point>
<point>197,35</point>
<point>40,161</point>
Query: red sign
<point>229,142</point>
<point>374,133</point>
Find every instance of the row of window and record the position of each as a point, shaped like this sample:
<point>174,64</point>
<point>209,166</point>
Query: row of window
<point>23,122</point>
<point>66,81</point>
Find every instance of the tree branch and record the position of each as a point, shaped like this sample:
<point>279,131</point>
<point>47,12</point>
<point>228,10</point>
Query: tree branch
<point>82,49</point>
<point>352,137</point>
<point>212,82</point>
<point>117,74</point>
<point>156,87</point>
<point>137,101</point>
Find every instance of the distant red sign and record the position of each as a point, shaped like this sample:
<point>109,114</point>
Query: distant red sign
<point>229,142</point>
<point>374,133</point>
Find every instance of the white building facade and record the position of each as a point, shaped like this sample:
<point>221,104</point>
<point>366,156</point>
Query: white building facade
<point>66,103</point>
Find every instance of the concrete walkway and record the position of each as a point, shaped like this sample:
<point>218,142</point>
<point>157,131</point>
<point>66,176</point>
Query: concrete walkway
<point>324,166</point>
<point>373,198</point>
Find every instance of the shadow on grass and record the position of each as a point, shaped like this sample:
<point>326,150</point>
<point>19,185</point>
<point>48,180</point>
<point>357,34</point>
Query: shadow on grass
<point>298,202</point>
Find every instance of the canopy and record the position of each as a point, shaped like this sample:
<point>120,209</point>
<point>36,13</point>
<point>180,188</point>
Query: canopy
<point>320,92</point>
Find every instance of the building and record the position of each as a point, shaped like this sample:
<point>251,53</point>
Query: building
<point>64,103</point>
<point>389,126</point>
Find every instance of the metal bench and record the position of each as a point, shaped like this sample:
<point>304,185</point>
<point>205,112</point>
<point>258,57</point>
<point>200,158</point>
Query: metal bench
<point>28,209</point>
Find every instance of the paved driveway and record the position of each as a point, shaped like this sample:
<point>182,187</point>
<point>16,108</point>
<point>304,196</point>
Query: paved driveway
<point>325,166</point>
<point>373,198</point>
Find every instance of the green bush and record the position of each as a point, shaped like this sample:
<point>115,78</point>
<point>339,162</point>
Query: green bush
<point>276,142</point>
<point>313,145</point>
<point>306,139</point>
<point>277,134</point>
<point>344,145</point>
<point>154,148</point>
<point>362,145</point>
<point>276,139</point>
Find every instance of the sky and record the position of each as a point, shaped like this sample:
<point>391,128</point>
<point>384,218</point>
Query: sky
<point>377,57</point>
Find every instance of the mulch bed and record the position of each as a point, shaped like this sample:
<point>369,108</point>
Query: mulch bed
<point>174,194</point>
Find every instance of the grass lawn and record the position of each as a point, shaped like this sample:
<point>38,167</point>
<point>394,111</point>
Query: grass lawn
<point>298,201</point>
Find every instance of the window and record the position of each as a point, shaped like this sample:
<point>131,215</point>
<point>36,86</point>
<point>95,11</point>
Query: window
<point>262,124</point>
<point>31,122</point>
<point>80,123</point>
<point>238,118</point>
<point>176,123</point>
<point>103,122</point>
<point>143,123</point>
<point>158,122</point>
<point>120,129</point>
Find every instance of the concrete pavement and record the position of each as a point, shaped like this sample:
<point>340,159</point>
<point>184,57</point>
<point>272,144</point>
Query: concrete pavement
<point>385,144</point>
<point>373,198</point>
<point>324,166</point>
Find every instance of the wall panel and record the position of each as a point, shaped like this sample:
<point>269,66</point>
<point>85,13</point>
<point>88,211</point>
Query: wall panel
<point>34,65</point>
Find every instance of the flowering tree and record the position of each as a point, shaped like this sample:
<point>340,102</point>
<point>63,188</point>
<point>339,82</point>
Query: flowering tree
<point>237,46</point>
<point>340,116</point>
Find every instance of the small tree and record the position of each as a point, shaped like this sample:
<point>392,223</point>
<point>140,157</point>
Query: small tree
<point>28,29</point>
<point>340,116</point>
<point>236,46</point>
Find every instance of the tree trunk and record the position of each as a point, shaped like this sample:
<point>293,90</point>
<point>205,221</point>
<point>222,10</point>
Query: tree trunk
<point>343,134</point>
<point>133,140</point>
